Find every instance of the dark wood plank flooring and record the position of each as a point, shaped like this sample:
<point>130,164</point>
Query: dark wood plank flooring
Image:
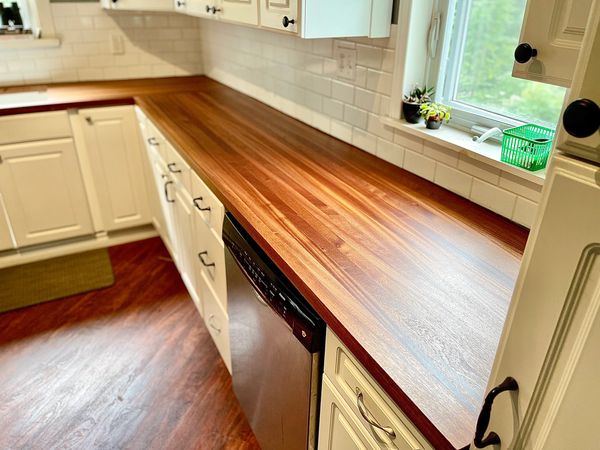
<point>127,367</point>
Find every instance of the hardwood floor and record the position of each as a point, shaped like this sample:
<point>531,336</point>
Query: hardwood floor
<point>127,367</point>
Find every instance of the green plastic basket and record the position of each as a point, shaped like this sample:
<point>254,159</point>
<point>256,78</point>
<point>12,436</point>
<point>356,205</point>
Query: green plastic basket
<point>527,146</point>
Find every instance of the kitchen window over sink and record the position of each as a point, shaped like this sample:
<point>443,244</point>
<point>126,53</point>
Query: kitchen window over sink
<point>472,68</point>
<point>25,21</point>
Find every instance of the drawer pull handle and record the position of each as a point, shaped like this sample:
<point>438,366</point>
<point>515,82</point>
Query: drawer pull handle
<point>483,421</point>
<point>201,255</point>
<point>169,200</point>
<point>173,168</point>
<point>153,142</point>
<point>211,320</point>
<point>364,412</point>
<point>199,206</point>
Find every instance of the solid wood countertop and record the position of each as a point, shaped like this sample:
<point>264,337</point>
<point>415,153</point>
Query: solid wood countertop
<point>415,280</point>
<point>95,93</point>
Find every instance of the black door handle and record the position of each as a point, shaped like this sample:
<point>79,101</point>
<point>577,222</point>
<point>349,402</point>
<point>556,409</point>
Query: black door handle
<point>201,256</point>
<point>167,192</point>
<point>524,52</point>
<point>483,421</point>
<point>199,206</point>
<point>286,21</point>
<point>581,118</point>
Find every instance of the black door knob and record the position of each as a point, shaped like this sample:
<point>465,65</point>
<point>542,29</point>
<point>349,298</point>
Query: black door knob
<point>286,21</point>
<point>207,9</point>
<point>581,118</point>
<point>215,9</point>
<point>524,52</point>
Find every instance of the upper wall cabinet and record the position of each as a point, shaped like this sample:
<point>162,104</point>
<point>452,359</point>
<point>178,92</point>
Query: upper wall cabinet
<point>198,8</point>
<point>241,11</point>
<point>138,5</point>
<point>336,18</point>
<point>551,39</point>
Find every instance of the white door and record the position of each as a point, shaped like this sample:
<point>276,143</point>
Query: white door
<point>43,191</point>
<point>550,340</point>
<point>113,144</point>
<point>184,235</point>
<point>555,29</point>
<point>165,188</point>
<point>279,13</point>
<point>6,240</point>
<point>243,11</point>
<point>139,5</point>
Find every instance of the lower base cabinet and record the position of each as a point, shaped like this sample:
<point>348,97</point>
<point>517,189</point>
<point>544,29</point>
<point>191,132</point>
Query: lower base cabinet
<point>355,412</point>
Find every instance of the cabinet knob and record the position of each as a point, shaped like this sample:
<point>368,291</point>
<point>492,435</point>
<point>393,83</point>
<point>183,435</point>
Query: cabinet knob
<point>581,118</point>
<point>180,3</point>
<point>286,21</point>
<point>524,52</point>
<point>89,120</point>
<point>207,9</point>
<point>214,9</point>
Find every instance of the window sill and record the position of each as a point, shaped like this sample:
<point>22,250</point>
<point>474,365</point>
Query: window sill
<point>20,43</point>
<point>462,142</point>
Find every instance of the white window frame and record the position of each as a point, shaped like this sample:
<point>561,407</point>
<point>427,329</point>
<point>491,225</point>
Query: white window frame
<point>42,27</point>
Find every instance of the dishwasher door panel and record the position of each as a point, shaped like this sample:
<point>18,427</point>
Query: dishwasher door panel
<point>272,371</point>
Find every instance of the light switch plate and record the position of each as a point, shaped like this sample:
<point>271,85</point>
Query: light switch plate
<point>117,44</point>
<point>345,59</point>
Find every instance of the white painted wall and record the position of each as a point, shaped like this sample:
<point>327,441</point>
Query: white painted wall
<point>156,45</point>
<point>298,77</point>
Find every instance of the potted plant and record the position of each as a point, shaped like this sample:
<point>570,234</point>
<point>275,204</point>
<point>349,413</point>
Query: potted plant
<point>434,114</point>
<point>413,101</point>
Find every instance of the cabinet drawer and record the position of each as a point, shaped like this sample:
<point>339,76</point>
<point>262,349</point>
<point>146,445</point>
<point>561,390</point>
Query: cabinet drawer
<point>339,428</point>
<point>211,254</point>
<point>155,139</point>
<point>178,167</point>
<point>207,205</point>
<point>216,320</point>
<point>351,381</point>
<point>34,127</point>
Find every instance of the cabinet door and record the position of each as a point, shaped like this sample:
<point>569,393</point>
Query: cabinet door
<point>243,11</point>
<point>6,240</point>
<point>273,12</point>
<point>165,191</point>
<point>140,5</point>
<point>338,429</point>
<point>555,28</point>
<point>113,144</point>
<point>43,191</point>
<point>198,8</point>
<point>184,235</point>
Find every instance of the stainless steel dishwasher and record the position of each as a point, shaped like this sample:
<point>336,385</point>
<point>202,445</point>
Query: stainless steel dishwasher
<point>276,346</point>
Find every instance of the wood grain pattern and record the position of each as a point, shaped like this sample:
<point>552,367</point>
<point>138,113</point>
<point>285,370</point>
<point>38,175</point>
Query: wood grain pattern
<point>98,93</point>
<point>414,279</point>
<point>131,366</point>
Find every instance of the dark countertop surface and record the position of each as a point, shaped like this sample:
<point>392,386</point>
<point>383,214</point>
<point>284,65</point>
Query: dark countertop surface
<point>415,280</point>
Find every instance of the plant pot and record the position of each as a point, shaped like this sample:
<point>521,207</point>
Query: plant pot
<point>433,124</point>
<point>411,112</point>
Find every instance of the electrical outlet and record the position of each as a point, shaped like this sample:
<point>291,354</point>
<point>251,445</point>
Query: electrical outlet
<point>345,58</point>
<point>117,44</point>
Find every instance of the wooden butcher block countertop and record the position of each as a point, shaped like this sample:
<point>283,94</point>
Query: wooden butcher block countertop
<point>415,280</point>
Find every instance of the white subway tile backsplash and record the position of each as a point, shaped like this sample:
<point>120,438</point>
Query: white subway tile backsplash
<point>376,127</point>
<point>525,212</point>
<point>408,141</point>
<point>442,154</point>
<point>453,180</point>
<point>341,130</point>
<point>343,92</point>
<point>369,56</point>
<point>367,100</point>
<point>479,169</point>
<point>419,165</point>
<point>333,108</point>
<point>390,152</point>
<point>493,197</point>
<point>379,81</point>
<point>520,186</point>
<point>364,141</point>
<point>355,116</point>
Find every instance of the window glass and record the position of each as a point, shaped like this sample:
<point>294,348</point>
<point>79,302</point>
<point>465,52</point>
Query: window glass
<point>14,17</point>
<point>484,77</point>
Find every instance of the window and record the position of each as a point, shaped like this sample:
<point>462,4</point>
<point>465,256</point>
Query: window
<point>14,18</point>
<point>475,75</point>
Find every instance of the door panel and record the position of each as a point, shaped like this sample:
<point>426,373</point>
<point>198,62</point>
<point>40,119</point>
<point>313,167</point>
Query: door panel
<point>141,5</point>
<point>115,153</point>
<point>43,191</point>
<point>244,11</point>
<point>6,240</point>
<point>556,29</point>
<point>272,13</point>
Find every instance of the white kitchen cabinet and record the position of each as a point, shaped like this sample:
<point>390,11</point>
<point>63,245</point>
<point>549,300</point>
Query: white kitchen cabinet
<point>165,189</point>
<point>555,29</point>
<point>184,236</point>
<point>336,18</point>
<point>241,11</point>
<point>139,5</point>
<point>6,240</point>
<point>43,191</point>
<point>353,402</point>
<point>198,8</point>
<point>112,141</point>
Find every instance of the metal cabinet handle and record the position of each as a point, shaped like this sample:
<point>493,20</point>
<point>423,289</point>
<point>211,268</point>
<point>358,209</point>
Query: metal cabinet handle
<point>153,141</point>
<point>169,200</point>
<point>364,412</point>
<point>173,168</point>
<point>180,4</point>
<point>483,421</point>
<point>211,319</point>
<point>200,207</point>
<point>286,21</point>
<point>89,120</point>
<point>204,262</point>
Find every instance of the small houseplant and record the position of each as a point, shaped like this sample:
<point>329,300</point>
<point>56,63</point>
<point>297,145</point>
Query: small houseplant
<point>413,101</point>
<point>434,114</point>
